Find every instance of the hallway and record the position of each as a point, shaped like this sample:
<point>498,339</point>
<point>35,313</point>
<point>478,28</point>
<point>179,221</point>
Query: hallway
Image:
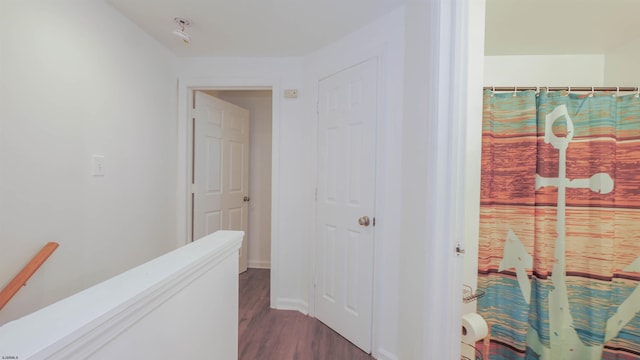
<point>269,334</point>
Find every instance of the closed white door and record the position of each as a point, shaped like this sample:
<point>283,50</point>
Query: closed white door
<point>345,202</point>
<point>220,168</point>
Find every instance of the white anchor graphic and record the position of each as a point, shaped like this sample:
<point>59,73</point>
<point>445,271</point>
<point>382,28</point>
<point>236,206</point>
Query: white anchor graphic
<point>564,340</point>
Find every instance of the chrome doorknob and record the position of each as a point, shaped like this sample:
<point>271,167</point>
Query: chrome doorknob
<point>364,221</point>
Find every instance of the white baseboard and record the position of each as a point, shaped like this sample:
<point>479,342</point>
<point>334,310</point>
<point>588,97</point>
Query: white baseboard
<point>292,304</point>
<point>385,355</point>
<point>259,264</point>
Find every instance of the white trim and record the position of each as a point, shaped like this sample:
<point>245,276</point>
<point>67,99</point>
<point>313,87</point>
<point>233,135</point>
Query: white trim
<point>378,240</point>
<point>292,304</point>
<point>473,143</point>
<point>185,85</point>
<point>259,264</point>
<point>385,355</point>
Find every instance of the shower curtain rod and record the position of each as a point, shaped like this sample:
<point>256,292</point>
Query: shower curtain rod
<point>559,88</point>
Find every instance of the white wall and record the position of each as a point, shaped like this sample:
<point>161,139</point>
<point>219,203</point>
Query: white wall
<point>544,70</point>
<point>79,79</point>
<point>621,65</point>
<point>258,102</point>
<point>383,39</point>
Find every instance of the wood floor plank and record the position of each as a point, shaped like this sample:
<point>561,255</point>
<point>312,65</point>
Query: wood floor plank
<point>268,334</point>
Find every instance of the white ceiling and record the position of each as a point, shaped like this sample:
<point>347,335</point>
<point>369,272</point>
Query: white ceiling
<point>253,27</point>
<point>544,27</point>
<point>297,27</point>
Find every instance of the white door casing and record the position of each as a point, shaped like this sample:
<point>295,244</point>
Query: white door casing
<point>347,116</point>
<point>220,168</point>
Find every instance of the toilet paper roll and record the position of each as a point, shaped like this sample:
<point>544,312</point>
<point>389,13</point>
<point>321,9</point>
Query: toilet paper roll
<point>474,328</point>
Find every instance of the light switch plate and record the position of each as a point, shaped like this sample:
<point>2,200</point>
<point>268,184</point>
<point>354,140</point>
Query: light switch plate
<point>97,165</point>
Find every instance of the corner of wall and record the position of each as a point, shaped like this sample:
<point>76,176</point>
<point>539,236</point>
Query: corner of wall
<point>292,304</point>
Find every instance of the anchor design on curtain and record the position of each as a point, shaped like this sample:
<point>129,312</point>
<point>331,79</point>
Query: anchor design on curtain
<point>564,340</point>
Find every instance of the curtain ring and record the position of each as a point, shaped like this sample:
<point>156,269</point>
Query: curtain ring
<point>617,91</point>
<point>568,91</point>
<point>515,90</point>
<point>592,91</point>
<point>493,90</point>
<point>638,92</point>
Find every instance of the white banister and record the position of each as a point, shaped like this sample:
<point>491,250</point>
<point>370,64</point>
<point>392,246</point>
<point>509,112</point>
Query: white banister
<point>182,305</point>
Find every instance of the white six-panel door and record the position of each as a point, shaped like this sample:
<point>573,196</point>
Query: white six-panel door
<point>220,168</point>
<point>345,200</point>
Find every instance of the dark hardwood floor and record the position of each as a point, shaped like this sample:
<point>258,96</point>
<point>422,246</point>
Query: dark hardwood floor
<point>268,334</point>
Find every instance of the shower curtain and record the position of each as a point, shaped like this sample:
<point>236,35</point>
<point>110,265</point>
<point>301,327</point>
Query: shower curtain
<point>559,248</point>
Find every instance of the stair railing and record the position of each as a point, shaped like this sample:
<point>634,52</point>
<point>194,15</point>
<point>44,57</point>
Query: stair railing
<point>21,279</point>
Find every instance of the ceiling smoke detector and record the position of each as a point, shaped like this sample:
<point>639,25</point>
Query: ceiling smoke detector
<point>181,33</point>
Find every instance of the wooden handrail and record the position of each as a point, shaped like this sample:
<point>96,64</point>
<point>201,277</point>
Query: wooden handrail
<point>19,280</point>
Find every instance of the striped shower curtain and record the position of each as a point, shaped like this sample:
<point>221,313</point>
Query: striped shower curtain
<point>559,250</point>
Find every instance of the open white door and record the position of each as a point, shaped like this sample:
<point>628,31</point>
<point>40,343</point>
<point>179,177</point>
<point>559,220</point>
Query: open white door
<point>345,202</point>
<point>220,168</point>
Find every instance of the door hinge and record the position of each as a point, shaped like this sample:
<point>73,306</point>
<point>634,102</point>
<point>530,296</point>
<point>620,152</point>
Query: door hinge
<point>192,188</point>
<point>374,221</point>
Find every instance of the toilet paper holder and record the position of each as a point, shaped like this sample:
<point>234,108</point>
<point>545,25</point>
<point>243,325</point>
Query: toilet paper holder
<point>475,329</point>
<point>477,354</point>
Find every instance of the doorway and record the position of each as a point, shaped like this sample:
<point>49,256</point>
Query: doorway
<point>259,105</point>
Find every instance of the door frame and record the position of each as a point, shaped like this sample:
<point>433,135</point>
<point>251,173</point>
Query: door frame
<point>186,87</point>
